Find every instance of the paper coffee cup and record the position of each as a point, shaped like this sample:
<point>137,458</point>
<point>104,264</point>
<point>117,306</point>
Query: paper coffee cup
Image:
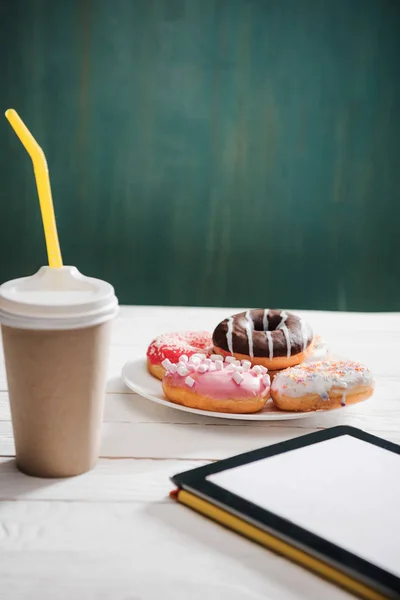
<point>56,331</point>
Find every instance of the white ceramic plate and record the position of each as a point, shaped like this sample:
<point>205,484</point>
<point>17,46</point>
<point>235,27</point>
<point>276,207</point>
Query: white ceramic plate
<point>136,376</point>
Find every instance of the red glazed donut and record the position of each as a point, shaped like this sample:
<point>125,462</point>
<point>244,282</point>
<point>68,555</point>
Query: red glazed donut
<point>172,346</point>
<point>275,339</point>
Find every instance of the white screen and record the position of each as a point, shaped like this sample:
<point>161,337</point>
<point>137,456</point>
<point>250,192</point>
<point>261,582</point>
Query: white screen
<point>345,490</point>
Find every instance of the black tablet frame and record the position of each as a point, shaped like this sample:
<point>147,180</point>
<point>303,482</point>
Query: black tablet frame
<point>195,481</point>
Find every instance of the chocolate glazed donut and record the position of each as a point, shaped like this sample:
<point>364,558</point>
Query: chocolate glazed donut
<point>275,339</point>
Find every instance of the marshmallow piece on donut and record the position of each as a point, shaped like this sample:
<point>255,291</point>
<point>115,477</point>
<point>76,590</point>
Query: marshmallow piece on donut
<point>191,366</point>
<point>236,363</point>
<point>183,371</point>
<point>169,366</point>
<point>237,378</point>
<point>202,368</point>
<point>219,365</point>
<point>199,355</point>
<point>256,370</point>
<point>212,367</point>
<point>183,358</point>
<point>207,361</point>
<point>195,360</point>
<point>266,380</point>
<point>189,381</point>
<point>246,364</point>
<point>238,368</point>
<point>263,369</point>
<point>230,359</point>
<point>215,357</point>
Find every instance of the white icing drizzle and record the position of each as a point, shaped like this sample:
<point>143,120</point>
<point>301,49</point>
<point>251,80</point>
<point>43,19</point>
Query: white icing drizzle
<point>303,333</point>
<point>270,345</point>
<point>285,333</point>
<point>343,402</point>
<point>229,333</point>
<point>265,319</point>
<point>249,331</point>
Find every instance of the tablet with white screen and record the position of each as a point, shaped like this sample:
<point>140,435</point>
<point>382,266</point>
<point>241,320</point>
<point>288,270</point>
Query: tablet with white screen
<point>333,495</point>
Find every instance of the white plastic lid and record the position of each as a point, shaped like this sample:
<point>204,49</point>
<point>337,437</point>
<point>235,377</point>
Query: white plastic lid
<point>56,299</point>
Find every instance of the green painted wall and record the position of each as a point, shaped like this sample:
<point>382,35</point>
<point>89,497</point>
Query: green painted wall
<point>209,152</point>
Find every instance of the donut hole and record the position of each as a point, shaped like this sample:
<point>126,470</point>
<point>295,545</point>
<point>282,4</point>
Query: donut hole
<point>274,320</point>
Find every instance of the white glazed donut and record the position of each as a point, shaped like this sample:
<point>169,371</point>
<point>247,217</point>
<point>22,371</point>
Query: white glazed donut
<point>321,385</point>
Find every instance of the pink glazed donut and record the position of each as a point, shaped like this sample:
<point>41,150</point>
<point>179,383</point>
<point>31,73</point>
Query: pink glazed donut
<point>210,384</point>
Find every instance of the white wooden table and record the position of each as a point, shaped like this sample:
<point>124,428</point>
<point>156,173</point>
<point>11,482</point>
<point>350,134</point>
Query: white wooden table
<point>113,534</point>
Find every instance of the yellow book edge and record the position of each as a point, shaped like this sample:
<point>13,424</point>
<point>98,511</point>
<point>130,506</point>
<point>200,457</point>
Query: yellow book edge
<point>276,545</point>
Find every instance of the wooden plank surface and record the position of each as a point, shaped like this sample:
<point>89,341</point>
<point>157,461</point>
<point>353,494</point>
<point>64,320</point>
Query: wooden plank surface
<point>106,534</point>
<point>130,481</point>
<point>144,551</point>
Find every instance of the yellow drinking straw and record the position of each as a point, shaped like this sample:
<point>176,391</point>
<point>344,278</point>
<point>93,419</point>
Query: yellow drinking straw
<point>43,187</point>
